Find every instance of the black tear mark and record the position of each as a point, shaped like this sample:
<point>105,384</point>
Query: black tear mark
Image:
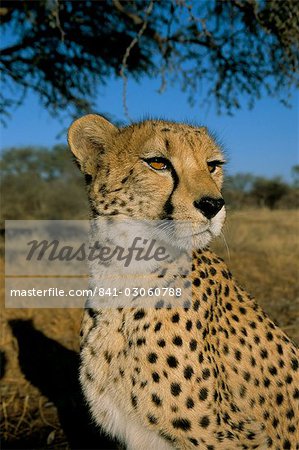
<point>168,206</point>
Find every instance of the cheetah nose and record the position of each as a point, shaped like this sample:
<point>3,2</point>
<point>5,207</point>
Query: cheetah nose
<point>209,206</point>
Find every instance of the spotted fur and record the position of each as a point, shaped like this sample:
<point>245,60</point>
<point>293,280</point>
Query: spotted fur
<point>216,375</point>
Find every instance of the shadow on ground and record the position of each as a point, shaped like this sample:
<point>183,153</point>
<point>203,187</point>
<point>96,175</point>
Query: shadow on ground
<point>3,362</point>
<point>53,369</point>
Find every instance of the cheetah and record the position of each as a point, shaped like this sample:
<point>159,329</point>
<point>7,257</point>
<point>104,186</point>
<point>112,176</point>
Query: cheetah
<point>215,374</point>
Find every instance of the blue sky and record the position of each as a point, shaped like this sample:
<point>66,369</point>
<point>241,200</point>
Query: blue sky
<point>263,140</point>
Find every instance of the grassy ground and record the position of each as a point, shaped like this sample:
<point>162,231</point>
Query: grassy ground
<point>41,402</point>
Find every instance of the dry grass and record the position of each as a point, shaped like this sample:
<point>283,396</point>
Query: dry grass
<point>264,255</point>
<point>264,258</point>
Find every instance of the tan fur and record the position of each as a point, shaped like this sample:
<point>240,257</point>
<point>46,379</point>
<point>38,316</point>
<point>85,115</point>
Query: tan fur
<point>217,375</point>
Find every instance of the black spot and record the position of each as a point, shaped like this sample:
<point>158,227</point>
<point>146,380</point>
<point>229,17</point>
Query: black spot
<point>246,376</point>
<point>242,310</point>
<point>267,382</point>
<point>225,274</point>
<point>152,419</point>
<point>193,345</point>
<point>172,361</point>
<point>279,399</point>
<point>92,313</point>
<point>206,373</point>
<point>228,306</point>
<point>188,325</point>
<point>261,400</point>
<point>139,314</point>
<point>294,364</point>
<point>108,357</point>
<point>196,305</point>
<point>177,340</point>
<point>175,318</point>
<point>204,297</point>
<point>134,400</point>
<point>189,403</point>
<point>188,372</point>
<point>204,422</point>
<point>161,343</point>
<point>256,339</point>
<point>158,326</point>
<point>253,361</point>
<point>238,355</point>
<point>200,357</point>
<point>175,389</point>
<point>203,394</point>
<point>156,399</point>
<point>89,376</point>
<point>198,324</point>
<point>242,341</point>
<point>279,349</point>
<point>273,370</point>
<point>243,391</point>
<point>193,441</point>
<point>286,445</point>
<point>196,282</point>
<point>225,349</point>
<point>124,180</point>
<point>182,424</point>
<point>290,414</point>
<point>156,377</point>
<point>264,353</point>
<point>269,336</point>
<point>152,357</point>
<point>275,422</point>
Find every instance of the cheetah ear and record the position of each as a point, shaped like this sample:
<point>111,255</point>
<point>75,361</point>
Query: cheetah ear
<point>88,138</point>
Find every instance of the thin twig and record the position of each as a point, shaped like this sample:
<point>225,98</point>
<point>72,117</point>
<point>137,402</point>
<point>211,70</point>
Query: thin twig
<point>57,19</point>
<point>23,413</point>
<point>42,415</point>
<point>5,415</point>
<point>126,56</point>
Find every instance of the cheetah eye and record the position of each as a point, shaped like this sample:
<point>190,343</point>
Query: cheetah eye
<point>213,165</point>
<point>158,163</point>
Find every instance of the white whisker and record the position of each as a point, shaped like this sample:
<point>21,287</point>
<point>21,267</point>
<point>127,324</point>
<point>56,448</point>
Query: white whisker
<point>226,245</point>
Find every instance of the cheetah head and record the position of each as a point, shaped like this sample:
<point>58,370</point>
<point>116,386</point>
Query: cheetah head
<point>153,170</point>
